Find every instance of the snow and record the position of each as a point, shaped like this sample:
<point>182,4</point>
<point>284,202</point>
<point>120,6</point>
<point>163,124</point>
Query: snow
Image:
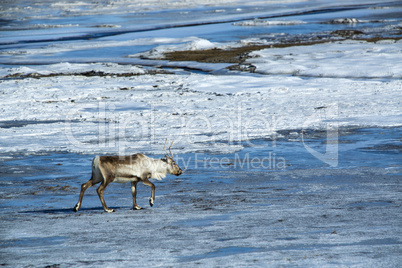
<point>66,68</point>
<point>185,45</point>
<point>53,9</point>
<point>194,109</point>
<point>342,59</point>
<point>295,164</point>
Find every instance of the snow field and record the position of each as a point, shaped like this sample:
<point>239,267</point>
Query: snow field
<point>345,83</point>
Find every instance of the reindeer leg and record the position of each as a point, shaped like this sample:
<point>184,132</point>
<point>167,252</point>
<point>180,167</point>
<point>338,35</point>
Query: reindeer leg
<point>150,184</point>
<point>84,187</point>
<point>100,190</point>
<point>134,192</point>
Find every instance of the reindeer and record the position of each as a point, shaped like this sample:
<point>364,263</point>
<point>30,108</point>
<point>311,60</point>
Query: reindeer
<point>132,168</point>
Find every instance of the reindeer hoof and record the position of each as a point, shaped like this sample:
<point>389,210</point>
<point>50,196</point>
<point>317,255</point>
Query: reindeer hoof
<point>151,202</point>
<point>110,210</point>
<point>75,209</point>
<point>137,208</point>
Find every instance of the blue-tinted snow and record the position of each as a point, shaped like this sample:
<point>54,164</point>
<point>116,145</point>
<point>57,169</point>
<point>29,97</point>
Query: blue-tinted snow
<point>297,168</point>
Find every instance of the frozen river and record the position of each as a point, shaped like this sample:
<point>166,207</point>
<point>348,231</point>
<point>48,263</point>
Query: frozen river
<point>285,117</point>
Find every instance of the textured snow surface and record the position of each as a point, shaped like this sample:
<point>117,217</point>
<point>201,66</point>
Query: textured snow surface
<point>294,164</point>
<point>307,88</point>
<point>346,59</point>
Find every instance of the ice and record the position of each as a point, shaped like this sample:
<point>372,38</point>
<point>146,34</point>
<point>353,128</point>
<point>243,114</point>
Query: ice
<point>259,22</point>
<point>305,217</point>
<point>341,59</point>
<point>294,162</point>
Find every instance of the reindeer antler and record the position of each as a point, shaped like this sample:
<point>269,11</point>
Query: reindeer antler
<point>170,152</point>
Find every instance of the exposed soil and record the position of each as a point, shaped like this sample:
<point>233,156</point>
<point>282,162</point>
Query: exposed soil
<point>215,55</point>
<point>239,55</point>
<point>87,74</point>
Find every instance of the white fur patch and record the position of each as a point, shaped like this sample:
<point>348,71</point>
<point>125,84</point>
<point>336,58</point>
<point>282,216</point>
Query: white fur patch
<point>124,180</point>
<point>158,175</point>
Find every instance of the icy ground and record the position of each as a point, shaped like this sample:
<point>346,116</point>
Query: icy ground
<point>293,158</point>
<point>225,210</point>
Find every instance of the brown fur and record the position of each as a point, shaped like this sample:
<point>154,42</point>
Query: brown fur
<point>132,168</point>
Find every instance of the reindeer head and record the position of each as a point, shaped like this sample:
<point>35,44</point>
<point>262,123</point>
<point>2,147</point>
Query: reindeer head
<point>173,168</point>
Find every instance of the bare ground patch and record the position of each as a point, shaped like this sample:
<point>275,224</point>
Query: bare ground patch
<point>239,55</point>
<point>86,74</point>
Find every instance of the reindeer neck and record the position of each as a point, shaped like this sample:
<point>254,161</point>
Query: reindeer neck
<point>159,169</point>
